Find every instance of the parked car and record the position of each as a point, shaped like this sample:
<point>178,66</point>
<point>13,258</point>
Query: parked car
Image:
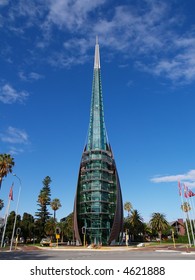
<point>19,240</point>
<point>45,241</point>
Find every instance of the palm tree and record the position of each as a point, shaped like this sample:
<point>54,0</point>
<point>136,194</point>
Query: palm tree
<point>136,224</point>
<point>55,205</point>
<point>128,207</point>
<point>50,227</point>
<point>1,204</point>
<point>147,231</point>
<point>159,223</point>
<point>67,228</point>
<point>6,164</point>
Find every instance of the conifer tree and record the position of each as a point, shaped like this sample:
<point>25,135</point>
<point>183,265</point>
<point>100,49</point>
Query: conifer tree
<point>43,202</point>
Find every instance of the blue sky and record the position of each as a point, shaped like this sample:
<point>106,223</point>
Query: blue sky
<point>147,51</point>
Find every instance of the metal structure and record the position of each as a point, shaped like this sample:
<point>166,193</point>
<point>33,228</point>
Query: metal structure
<point>98,203</point>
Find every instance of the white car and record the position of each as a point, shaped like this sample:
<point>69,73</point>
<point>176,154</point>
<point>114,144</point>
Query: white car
<point>45,241</point>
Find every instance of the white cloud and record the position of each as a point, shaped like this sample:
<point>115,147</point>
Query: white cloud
<point>15,151</point>
<point>4,2</point>
<point>146,32</point>
<point>187,178</point>
<point>180,67</point>
<point>75,53</point>
<point>60,59</point>
<point>35,76</point>
<point>126,30</point>
<point>134,30</point>
<point>30,76</point>
<point>79,45</point>
<point>71,13</point>
<point>14,135</point>
<point>9,95</point>
<point>29,10</point>
<point>151,33</point>
<point>22,76</point>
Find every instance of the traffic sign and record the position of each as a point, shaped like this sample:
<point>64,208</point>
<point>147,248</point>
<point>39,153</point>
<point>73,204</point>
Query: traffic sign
<point>57,236</point>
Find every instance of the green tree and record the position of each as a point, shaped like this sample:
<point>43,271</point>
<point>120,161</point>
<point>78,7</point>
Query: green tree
<point>128,207</point>
<point>50,227</point>
<point>10,224</point>
<point>147,231</point>
<point>126,224</point>
<point>43,202</point>
<point>67,228</point>
<point>136,225</point>
<point>27,227</point>
<point>6,165</point>
<point>159,223</point>
<point>55,205</point>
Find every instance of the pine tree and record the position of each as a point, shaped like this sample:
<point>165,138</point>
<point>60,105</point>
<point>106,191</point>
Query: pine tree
<point>43,202</point>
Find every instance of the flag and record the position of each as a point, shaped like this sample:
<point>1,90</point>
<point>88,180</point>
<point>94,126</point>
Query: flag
<point>179,186</point>
<point>190,193</point>
<point>11,192</point>
<point>186,192</point>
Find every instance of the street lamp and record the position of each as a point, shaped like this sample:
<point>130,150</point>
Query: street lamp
<point>16,211</point>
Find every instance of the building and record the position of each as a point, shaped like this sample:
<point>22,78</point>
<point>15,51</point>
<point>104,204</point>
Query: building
<point>179,227</point>
<point>98,207</point>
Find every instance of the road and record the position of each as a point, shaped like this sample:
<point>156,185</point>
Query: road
<point>88,254</point>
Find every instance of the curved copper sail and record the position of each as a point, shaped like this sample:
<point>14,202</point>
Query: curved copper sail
<point>98,207</point>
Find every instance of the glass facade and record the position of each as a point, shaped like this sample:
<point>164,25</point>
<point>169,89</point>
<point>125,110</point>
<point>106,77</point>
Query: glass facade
<point>98,202</point>
<point>97,133</point>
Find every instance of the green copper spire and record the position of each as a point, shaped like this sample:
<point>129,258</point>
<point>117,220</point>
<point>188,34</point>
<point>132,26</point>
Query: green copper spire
<point>97,133</point>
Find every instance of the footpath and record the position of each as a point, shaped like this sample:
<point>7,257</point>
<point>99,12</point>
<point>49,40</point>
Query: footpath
<point>139,247</point>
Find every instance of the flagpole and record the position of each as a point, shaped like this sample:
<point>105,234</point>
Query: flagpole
<point>190,195</point>
<point>180,193</point>
<point>192,219</point>
<point>5,224</point>
<point>186,194</point>
<point>193,212</point>
<point>13,231</point>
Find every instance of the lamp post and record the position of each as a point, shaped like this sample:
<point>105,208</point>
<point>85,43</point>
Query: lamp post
<point>16,211</point>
